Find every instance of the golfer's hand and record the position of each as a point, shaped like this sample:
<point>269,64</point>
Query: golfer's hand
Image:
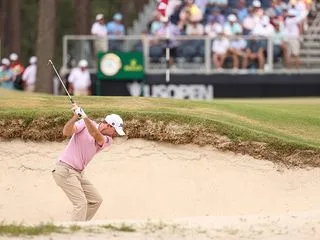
<point>80,113</point>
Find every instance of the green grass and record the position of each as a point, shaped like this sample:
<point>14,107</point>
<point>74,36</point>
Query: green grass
<point>122,228</point>
<point>279,122</point>
<point>14,230</point>
<point>17,230</point>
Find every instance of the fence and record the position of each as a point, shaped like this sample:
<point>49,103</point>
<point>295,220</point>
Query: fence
<point>192,54</point>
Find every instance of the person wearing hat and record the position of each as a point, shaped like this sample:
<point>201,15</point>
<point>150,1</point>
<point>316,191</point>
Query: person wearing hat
<point>232,26</point>
<point>18,69</point>
<point>7,76</point>
<point>87,139</point>
<point>29,75</point>
<point>292,31</point>
<point>220,48</point>
<point>99,30</point>
<point>116,28</point>
<point>79,80</point>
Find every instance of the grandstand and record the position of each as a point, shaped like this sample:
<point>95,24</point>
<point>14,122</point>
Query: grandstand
<point>193,54</point>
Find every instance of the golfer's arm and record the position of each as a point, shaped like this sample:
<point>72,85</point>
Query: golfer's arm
<point>93,131</point>
<point>69,128</point>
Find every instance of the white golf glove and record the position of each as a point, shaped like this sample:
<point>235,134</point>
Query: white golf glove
<point>81,114</point>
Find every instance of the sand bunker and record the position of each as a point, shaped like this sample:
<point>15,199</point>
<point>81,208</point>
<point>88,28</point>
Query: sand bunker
<point>142,180</point>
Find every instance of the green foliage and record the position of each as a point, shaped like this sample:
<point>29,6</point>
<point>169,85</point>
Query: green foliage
<point>65,24</point>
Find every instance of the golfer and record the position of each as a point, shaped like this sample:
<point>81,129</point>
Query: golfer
<point>87,139</point>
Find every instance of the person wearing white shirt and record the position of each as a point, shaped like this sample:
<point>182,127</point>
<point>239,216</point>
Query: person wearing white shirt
<point>79,80</point>
<point>29,75</point>
<point>238,51</point>
<point>99,29</point>
<point>292,33</point>
<point>220,49</point>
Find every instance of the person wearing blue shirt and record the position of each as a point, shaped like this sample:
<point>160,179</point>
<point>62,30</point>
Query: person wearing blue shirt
<point>115,27</point>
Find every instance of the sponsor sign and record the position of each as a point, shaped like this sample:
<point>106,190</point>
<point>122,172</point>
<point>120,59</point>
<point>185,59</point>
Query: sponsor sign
<point>120,65</point>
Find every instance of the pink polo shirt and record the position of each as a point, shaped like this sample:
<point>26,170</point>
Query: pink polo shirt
<point>82,147</point>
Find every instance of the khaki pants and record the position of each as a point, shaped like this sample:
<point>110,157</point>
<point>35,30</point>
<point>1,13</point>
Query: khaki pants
<point>84,197</point>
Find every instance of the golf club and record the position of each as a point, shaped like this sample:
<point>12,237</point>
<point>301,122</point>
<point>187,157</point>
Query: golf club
<point>54,68</point>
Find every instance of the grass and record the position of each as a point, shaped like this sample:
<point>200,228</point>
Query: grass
<point>291,123</point>
<point>17,230</point>
<point>122,228</point>
<point>48,228</point>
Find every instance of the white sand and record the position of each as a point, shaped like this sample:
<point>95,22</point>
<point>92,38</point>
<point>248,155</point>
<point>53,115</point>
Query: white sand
<point>197,187</point>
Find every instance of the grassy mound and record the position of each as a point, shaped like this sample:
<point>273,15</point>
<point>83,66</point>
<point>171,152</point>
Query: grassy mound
<point>285,131</point>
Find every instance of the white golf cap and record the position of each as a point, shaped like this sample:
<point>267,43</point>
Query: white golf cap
<point>13,57</point>
<point>256,3</point>
<point>99,16</point>
<point>33,60</point>
<point>83,63</point>
<point>5,61</point>
<point>232,18</point>
<point>116,121</point>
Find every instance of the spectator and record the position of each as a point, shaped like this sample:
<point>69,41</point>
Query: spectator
<point>155,23</point>
<point>216,16</point>
<point>7,76</point>
<point>29,75</point>
<point>242,10</point>
<point>100,31</point>
<point>292,32</point>
<point>238,52</point>
<point>232,27</point>
<point>173,31</point>
<point>255,52</point>
<point>115,27</point>
<point>219,3</point>
<point>17,69</point>
<point>194,28</point>
<point>79,80</point>
<point>275,10</point>
<point>211,28</point>
<point>193,47</point>
<point>220,48</point>
<point>279,44</point>
<point>264,30</point>
<point>190,12</point>
<point>249,22</point>
<point>201,4</point>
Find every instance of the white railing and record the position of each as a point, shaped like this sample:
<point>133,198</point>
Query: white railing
<point>76,47</point>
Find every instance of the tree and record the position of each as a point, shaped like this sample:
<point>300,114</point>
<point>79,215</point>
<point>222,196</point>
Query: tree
<point>82,16</point>
<point>15,26</point>
<point>46,40</point>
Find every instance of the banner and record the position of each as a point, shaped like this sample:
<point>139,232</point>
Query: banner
<point>120,65</point>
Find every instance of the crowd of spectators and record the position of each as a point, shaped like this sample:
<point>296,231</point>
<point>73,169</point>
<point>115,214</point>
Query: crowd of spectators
<point>239,31</point>
<point>13,74</point>
<point>102,29</point>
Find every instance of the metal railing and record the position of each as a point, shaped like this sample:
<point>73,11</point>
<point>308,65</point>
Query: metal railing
<point>186,59</point>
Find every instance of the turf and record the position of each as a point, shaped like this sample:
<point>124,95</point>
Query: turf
<point>291,122</point>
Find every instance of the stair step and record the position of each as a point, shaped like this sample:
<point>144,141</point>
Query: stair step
<point>310,52</point>
<point>310,60</point>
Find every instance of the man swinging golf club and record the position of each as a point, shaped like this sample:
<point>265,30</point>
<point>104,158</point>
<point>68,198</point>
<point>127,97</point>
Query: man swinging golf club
<point>87,139</point>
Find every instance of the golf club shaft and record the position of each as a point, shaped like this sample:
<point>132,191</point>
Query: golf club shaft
<point>54,68</point>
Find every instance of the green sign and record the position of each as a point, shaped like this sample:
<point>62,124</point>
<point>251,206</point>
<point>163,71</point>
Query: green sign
<point>120,65</point>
